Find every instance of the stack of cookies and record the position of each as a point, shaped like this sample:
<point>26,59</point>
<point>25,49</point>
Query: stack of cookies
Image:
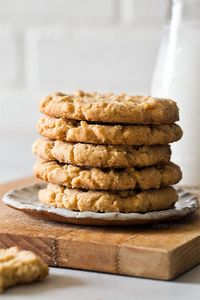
<point>107,152</point>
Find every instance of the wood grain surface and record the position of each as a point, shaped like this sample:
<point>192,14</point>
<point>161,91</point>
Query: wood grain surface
<point>161,250</point>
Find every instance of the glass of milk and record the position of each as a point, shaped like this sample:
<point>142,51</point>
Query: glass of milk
<point>177,76</point>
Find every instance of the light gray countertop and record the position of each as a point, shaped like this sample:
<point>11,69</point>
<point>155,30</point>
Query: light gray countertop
<point>16,161</point>
<point>73,284</point>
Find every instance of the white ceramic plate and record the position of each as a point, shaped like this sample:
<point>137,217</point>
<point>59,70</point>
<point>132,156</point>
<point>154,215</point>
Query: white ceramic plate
<point>26,199</point>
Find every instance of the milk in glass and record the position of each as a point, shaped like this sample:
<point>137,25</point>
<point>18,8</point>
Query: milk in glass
<point>177,76</point>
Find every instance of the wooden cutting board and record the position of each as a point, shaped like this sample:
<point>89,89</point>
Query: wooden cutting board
<point>161,251</point>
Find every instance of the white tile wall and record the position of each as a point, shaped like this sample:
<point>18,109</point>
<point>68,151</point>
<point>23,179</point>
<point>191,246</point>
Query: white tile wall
<point>58,11</point>
<point>114,58</point>
<point>11,57</point>
<point>144,12</point>
<point>48,45</point>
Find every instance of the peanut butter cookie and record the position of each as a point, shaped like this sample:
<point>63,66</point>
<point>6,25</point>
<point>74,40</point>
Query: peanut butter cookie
<point>107,179</point>
<point>110,108</point>
<point>104,201</point>
<point>101,156</point>
<point>75,131</point>
<point>20,266</point>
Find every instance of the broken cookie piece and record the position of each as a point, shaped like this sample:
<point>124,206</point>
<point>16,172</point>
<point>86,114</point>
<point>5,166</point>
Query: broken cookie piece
<point>20,266</point>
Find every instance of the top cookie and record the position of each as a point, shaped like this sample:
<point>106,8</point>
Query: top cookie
<point>111,108</point>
